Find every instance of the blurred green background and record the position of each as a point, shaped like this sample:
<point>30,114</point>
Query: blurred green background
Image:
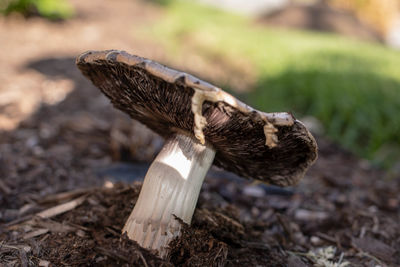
<point>351,86</point>
<point>51,9</point>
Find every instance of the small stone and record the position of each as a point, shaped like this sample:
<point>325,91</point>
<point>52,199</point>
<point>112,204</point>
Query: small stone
<point>80,233</point>
<point>44,263</point>
<point>315,240</point>
<point>253,191</point>
<point>309,215</point>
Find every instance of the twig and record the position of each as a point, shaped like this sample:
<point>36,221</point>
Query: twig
<point>366,254</point>
<point>142,258</point>
<point>59,209</point>
<point>233,222</point>
<point>8,246</point>
<point>341,258</point>
<point>36,233</point>
<point>51,212</point>
<point>64,195</point>
<point>17,221</point>
<point>112,231</point>
<point>53,226</point>
<point>111,254</point>
<point>83,228</point>
<point>221,252</point>
<point>286,227</point>
<point>326,237</point>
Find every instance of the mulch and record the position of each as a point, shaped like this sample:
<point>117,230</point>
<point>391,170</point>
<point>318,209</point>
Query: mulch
<point>71,171</point>
<point>65,196</point>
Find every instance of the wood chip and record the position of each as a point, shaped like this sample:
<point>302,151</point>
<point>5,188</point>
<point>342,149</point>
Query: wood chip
<point>375,247</point>
<point>53,226</point>
<point>294,261</point>
<point>36,233</point>
<point>23,257</point>
<point>4,188</point>
<point>64,195</point>
<point>59,209</point>
<point>11,225</point>
<point>26,208</point>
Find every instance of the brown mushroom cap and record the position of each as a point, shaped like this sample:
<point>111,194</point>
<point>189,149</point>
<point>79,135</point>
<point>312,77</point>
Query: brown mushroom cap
<point>271,147</point>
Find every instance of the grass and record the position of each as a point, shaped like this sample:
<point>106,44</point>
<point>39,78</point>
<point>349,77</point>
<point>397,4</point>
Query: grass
<point>353,88</point>
<point>50,9</point>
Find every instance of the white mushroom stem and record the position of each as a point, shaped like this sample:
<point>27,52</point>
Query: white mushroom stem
<point>171,188</point>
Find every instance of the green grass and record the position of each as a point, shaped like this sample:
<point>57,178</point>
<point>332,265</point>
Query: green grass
<point>50,9</point>
<point>353,88</point>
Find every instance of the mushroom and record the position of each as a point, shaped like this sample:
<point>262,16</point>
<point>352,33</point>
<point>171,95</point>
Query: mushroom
<point>202,125</point>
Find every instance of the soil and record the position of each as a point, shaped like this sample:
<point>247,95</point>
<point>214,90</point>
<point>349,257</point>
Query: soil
<point>71,169</point>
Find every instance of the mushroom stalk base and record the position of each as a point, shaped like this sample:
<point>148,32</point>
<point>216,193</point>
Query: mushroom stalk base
<point>171,188</point>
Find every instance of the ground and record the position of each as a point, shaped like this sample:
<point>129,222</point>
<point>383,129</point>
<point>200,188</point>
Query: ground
<point>63,143</point>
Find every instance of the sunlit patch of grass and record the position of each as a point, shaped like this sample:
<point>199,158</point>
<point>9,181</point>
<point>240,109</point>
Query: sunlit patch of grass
<point>353,88</point>
<point>50,9</point>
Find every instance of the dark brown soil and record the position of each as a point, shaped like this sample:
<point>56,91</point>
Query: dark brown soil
<point>73,147</point>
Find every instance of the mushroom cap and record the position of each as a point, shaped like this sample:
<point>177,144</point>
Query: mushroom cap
<point>271,147</point>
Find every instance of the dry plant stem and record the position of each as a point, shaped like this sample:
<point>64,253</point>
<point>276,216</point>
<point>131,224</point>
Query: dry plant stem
<point>171,188</point>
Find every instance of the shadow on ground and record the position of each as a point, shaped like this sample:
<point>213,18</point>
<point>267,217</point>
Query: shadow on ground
<point>341,203</point>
